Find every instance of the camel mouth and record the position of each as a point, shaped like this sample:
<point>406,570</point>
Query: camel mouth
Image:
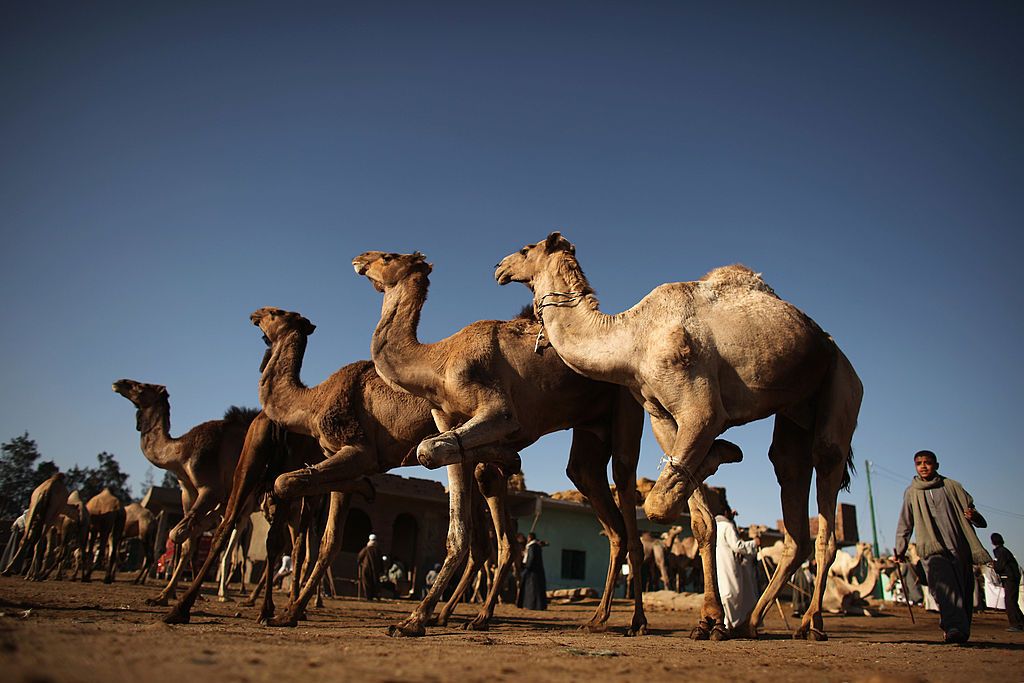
<point>266,340</point>
<point>359,266</point>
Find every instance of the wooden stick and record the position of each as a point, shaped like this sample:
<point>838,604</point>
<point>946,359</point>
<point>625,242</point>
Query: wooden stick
<point>778,603</point>
<point>903,589</point>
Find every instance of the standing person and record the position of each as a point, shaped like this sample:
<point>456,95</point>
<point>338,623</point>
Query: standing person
<point>735,559</point>
<point>941,515</point>
<point>430,578</point>
<point>1009,575</point>
<point>533,590</point>
<point>371,566</point>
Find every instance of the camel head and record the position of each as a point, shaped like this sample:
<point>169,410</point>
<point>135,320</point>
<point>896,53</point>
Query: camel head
<point>532,260</point>
<point>276,323</point>
<point>386,269</point>
<point>141,394</point>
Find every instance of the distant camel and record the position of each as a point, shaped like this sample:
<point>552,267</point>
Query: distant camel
<point>48,500</point>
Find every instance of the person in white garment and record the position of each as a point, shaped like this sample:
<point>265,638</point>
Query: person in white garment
<point>735,559</point>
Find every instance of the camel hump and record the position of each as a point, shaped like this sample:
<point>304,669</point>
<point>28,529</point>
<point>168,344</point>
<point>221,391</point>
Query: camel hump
<point>240,415</point>
<point>737,275</point>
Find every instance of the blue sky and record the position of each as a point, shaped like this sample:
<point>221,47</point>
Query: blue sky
<point>170,167</point>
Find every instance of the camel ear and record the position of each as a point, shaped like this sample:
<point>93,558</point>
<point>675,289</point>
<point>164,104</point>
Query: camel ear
<point>162,390</point>
<point>556,242</point>
<point>307,327</point>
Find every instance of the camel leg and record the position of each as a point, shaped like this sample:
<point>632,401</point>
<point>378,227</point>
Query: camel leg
<point>587,469</point>
<point>195,520</point>
<point>790,453</point>
<point>460,524</point>
<point>338,473</point>
<point>226,566</point>
<point>262,450</point>
<point>494,485</point>
<point>479,551</point>
<point>338,511</point>
<point>299,529</point>
<point>712,616</point>
<point>115,540</point>
<point>491,425</point>
<point>627,430</point>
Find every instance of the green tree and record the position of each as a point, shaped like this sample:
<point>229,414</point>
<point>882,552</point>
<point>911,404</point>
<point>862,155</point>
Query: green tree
<point>170,480</point>
<point>107,474</point>
<point>19,474</point>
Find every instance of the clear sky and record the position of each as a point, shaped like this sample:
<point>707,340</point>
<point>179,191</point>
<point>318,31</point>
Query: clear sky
<point>169,167</point>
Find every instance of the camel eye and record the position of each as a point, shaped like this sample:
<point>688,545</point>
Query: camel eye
<point>386,258</point>
<point>524,251</point>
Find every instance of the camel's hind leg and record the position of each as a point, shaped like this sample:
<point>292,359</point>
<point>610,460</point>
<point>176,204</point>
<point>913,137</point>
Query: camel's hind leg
<point>627,430</point>
<point>587,469</point>
<point>790,453</point>
<point>493,484</point>
<point>836,419</point>
<point>479,551</point>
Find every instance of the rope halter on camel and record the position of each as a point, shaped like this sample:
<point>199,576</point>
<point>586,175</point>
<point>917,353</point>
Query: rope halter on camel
<point>670,462</point>
<point>562,300</point>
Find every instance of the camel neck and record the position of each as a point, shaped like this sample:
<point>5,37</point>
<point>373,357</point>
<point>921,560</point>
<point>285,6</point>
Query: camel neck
<point>154,424</point>
<point>282,393</point>
<point>397,352</point>
<point>589,341</point>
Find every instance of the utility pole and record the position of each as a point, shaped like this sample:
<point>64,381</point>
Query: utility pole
<point>871,504</point>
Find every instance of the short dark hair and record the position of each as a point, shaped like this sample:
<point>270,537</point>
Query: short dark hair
<point>925,454</point>
<point>997,539</point>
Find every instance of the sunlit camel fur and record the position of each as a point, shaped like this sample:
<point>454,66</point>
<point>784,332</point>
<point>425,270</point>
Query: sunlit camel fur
<point>106,527</point>
<point>203,459</point>
<point>494,391</point>
<point>47,502</point>
<point>702,357</point>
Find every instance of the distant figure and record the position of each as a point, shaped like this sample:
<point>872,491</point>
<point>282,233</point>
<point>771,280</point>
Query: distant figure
<point>533,588</point>
<point>941,515</point>
<point>371,566</point>
<point>17,531</point>
<point>430,578</point>
<point>286,569</point>
<point>1009,575</point>
<point>396,574</point>
<point>736,581</point>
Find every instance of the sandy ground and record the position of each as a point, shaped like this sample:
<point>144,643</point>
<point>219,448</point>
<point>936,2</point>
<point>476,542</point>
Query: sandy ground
<point>93,632</point>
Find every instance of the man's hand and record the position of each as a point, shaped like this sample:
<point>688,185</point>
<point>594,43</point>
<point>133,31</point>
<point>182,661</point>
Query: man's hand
<point>970,514</point>
<point>900,559</point>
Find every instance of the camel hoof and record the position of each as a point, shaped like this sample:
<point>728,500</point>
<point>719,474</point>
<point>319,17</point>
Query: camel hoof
<point>476,626</point>
<point>699,634</point>
<point>224,598</point>
<point>248,603</point>
<point>800,634</point>
<point>157,602</point>
<point>594,627</point>
<point>404,631</point>
<point>177,616</point>
<point>636,630</point>
<point>718,633</point>
<point>285,620</point>
<point>816,634</point>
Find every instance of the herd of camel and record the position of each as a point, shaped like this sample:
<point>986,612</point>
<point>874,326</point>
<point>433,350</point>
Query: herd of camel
<point>698,357</point>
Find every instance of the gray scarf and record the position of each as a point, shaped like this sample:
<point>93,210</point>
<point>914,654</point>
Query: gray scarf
<point>924,531</point>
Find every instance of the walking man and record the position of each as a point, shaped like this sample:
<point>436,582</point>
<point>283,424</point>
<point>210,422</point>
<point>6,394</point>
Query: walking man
<point>1009,574</point>
<point>941,515</point>
<point>371,566</point>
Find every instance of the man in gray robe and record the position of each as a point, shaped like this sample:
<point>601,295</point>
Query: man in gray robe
<point>941,515</point>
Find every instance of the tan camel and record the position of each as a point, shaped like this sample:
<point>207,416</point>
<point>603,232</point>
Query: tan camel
<point>655,557</point>
<point>141,524</point>
<point>203,459</point>
<point>683,555</point>
<point>72,537</point>
<point>47,502</point>
<point>106,527</point>
<point>702,357</point>
<point>495,390</point>
<point>847,595</point>
<point>845,564</point>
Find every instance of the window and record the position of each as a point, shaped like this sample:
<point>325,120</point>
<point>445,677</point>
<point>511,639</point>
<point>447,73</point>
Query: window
<point>574,564</point>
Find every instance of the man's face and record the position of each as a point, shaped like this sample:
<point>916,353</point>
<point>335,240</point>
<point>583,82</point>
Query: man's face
<point>926,467</point>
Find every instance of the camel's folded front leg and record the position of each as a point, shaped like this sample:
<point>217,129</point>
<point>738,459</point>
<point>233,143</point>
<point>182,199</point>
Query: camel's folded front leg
<point>488,427</point>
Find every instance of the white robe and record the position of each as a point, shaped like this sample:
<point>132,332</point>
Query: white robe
<point>736,582</point>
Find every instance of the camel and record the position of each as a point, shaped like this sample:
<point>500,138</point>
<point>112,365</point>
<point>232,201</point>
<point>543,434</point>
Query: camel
<point>358,424</point>
<point>106,527</point>
<point>203,459</point>
<point>845,564</point>
<point>655,557</point>
<point>141,524</point>
<point>702,357</point>
<point>46,503</point>
<point>846,595</point>
<point>72,537</point>
<point>683,555</point>
<point>494,390</point>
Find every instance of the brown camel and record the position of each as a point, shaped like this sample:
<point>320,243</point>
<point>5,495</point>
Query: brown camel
<point>702,357</point>
<point>655,557</point>
<point>141,524</point>
<point>106,527</point>
<point>203,459</point>
<point>363,426</point>
<point>72,537</point>
<point>47,502</point>
<point>495,390</point>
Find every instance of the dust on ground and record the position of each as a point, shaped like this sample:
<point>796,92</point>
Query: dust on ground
<point>57,632</point>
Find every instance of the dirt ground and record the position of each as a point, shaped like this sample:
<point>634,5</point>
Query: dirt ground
<point>63,632</point>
